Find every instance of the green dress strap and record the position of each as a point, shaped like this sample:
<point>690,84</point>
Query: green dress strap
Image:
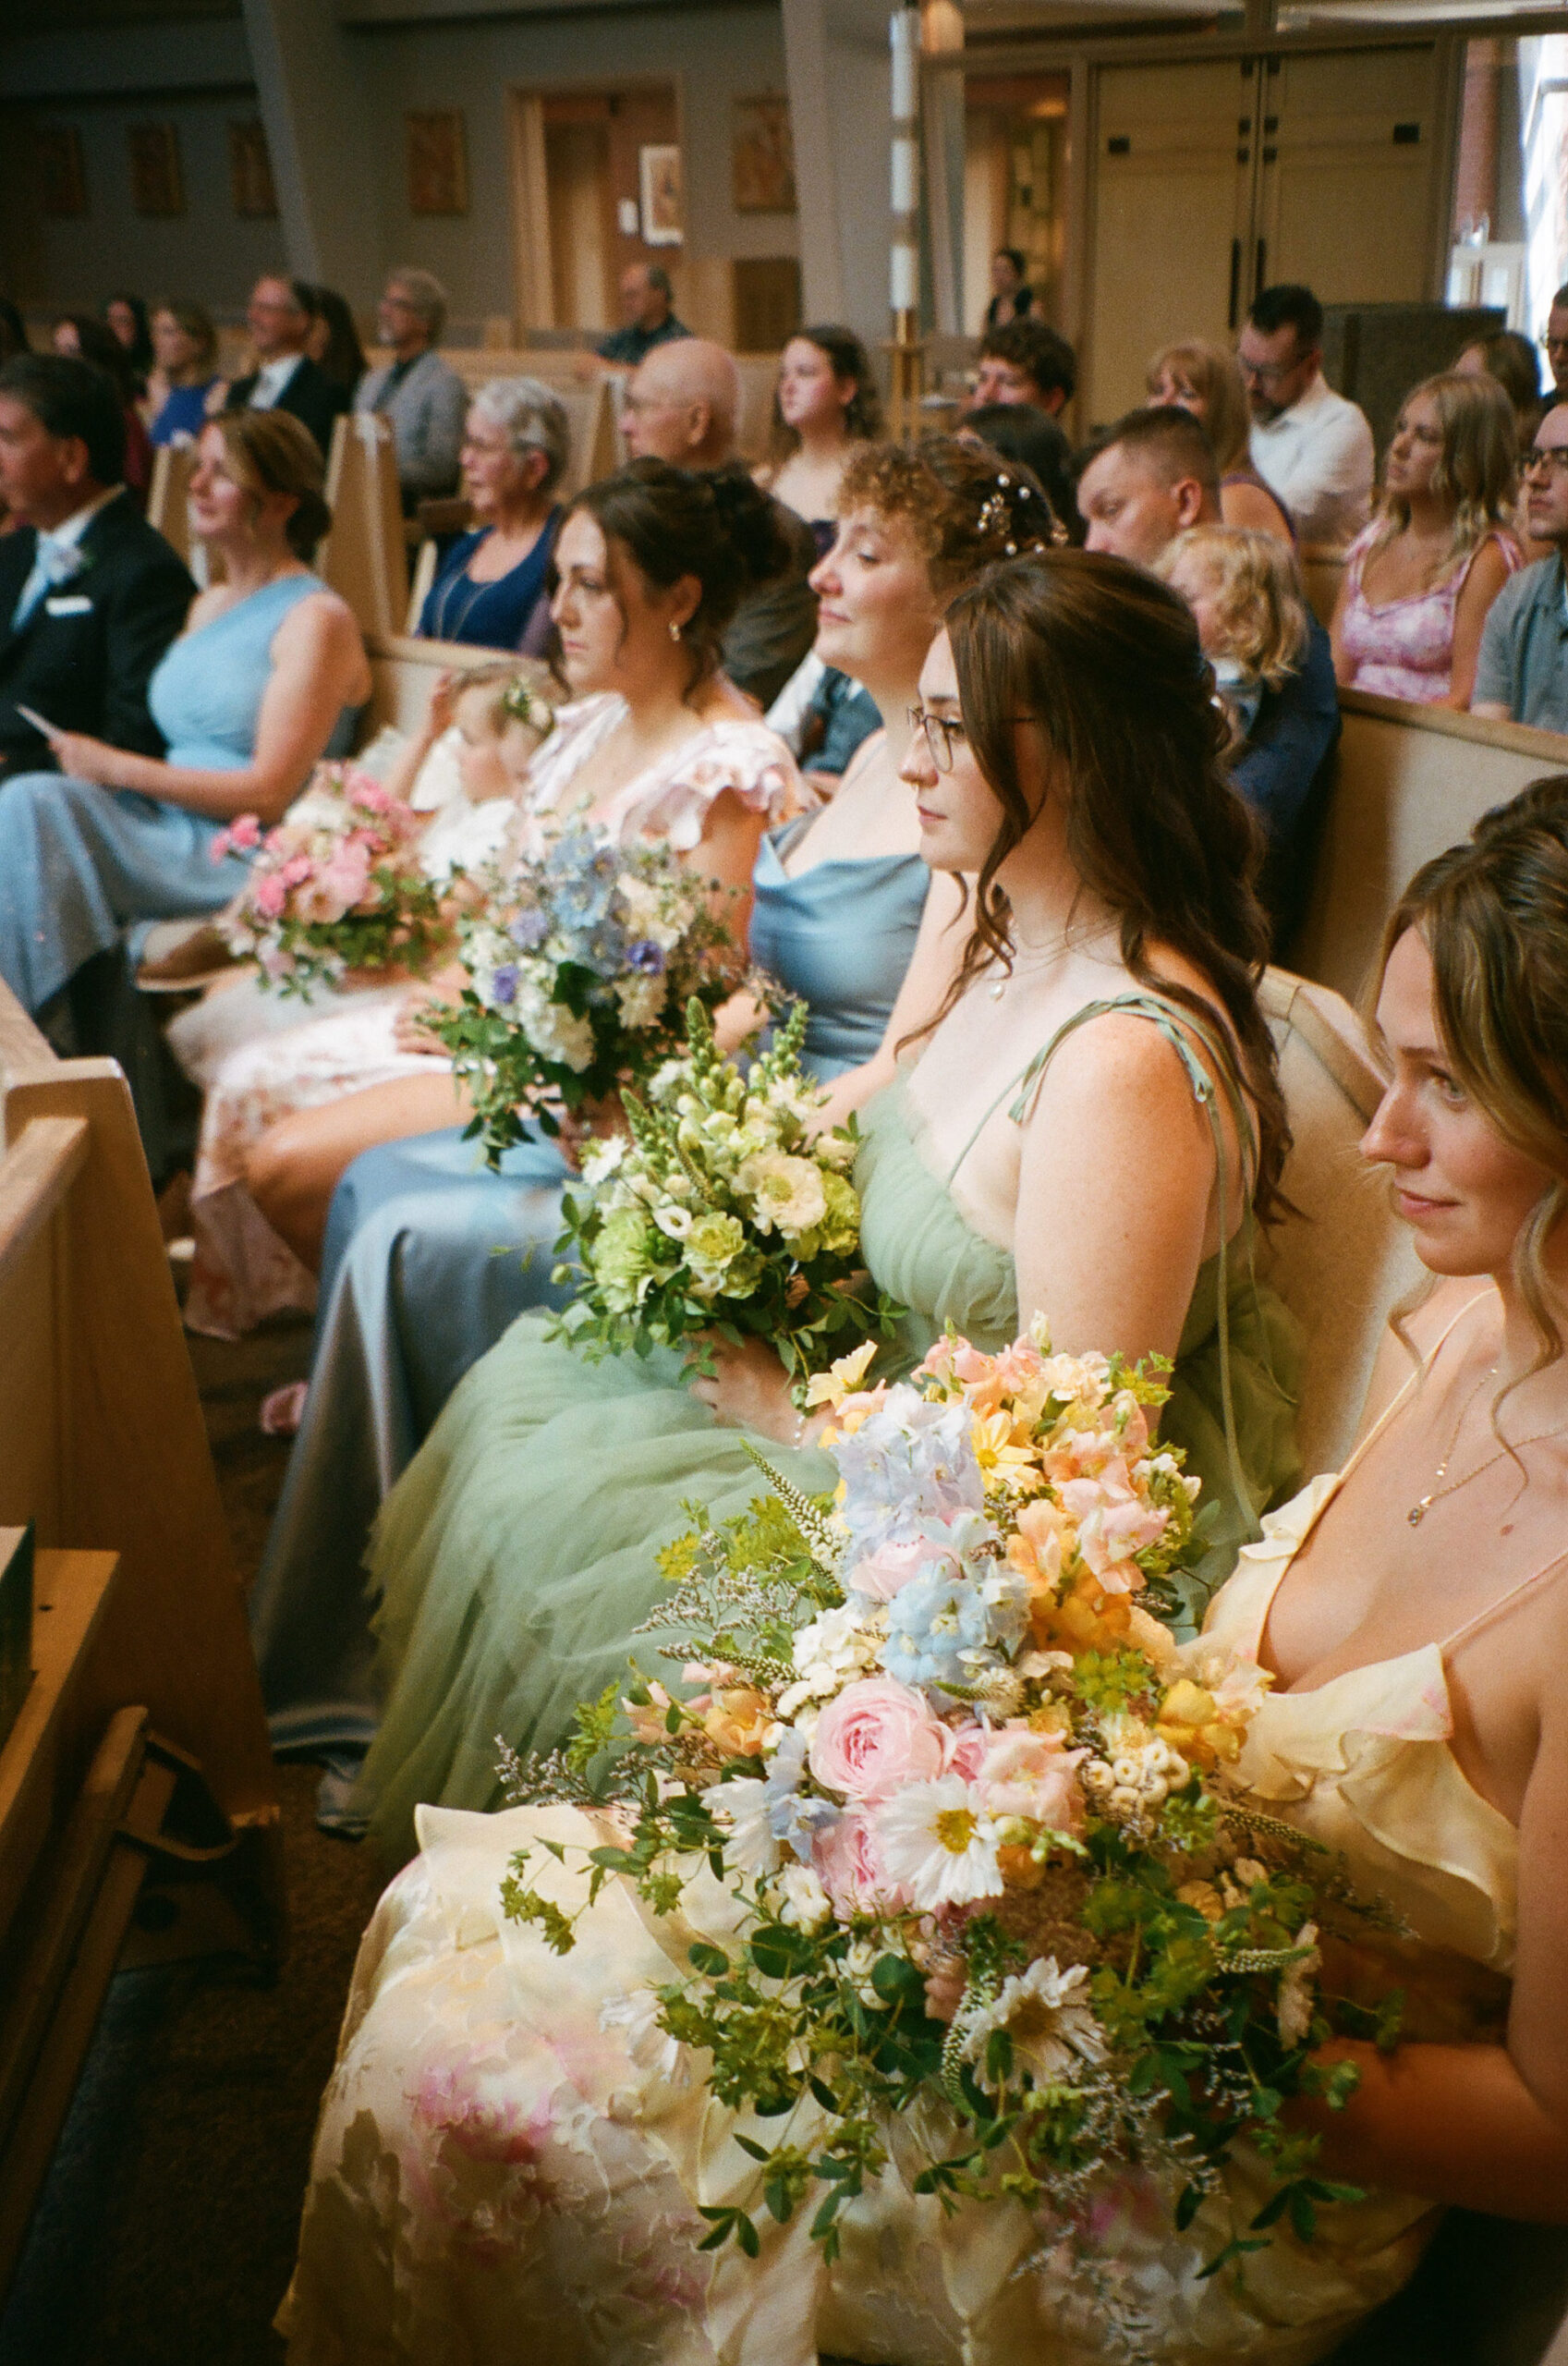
<point>1177,1023</point>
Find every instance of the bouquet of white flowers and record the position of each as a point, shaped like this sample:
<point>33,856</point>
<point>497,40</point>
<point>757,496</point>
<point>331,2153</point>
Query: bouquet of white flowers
<point>580,970</point>
<point>724,1212</point>
<point>337,885</point>
<point>1003,1893</point>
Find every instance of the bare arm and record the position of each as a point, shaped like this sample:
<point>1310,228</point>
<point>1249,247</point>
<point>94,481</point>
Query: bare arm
<point>318,670</point>
<point>939,948</point>
<point>1248,504</point>
<point>727,850</point>
<point>1489,573</point>
<point>1107,1239</point>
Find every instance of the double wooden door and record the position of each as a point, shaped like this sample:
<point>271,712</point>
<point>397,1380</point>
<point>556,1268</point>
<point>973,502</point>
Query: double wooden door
<point>1212,179</point>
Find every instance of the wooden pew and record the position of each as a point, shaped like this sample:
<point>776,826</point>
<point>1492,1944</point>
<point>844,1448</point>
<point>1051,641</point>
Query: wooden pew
<point>1322,572</point>
<point>144,1676</point>
<point>168,496</point>
<point>404,672</point>
<point>1409,781</point>
<point>364,555</point>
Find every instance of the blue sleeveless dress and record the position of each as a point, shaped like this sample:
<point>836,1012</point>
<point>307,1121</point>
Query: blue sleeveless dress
<point>517,1552</point>
<point>80,865</point>
<point>422,1275</point>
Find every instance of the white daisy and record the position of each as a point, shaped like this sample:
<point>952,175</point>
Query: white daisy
<point>742,1806</point>
<point>937,1843</point>
<point>1046,2019</point>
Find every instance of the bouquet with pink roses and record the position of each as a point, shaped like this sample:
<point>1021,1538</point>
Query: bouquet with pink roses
<point>995,1870</point>
<point>337,885</point>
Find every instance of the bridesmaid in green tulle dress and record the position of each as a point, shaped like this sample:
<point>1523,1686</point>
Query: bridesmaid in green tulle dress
<point>1090,1129</point>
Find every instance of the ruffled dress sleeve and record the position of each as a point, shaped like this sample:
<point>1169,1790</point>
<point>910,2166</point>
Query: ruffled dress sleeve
<point>673,802</point>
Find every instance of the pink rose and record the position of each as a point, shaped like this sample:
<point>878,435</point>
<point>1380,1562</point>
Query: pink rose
<point>368,794</point>
<point>848,1864</point>
<point>244,833</point>
<point>1031,1774</point>
<point>296,870</point>
<point>874,1737</point>
<point>885,1572</point>
<point>269,896</point>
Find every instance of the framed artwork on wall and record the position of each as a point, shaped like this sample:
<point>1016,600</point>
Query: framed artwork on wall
<point>62,181</point>
<point>250,172</point>
<point>664,205</point>
<point>155,184</point>
<point>763,157</point>
<point>438,162</point>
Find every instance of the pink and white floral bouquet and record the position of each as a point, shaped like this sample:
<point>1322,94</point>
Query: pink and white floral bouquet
<point>337,885</point>
<point>996,1876</point>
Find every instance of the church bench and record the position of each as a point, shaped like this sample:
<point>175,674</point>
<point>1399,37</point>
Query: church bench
<point>145,1691</point>
<point>1408,782</point>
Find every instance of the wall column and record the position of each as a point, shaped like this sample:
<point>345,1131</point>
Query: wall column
<point>311,88</point>
<point>836,59</point>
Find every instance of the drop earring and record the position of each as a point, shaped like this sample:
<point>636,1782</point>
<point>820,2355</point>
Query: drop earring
<point>675,630</point>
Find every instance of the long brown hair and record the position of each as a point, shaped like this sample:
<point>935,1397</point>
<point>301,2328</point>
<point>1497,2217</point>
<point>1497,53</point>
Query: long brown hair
<point>1494,915</point>
<point>1106,661</point>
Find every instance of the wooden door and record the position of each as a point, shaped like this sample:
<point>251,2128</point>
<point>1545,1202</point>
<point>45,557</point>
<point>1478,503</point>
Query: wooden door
<point>1172,178</point>
<point>576,164</point>
<point>1346,192</point>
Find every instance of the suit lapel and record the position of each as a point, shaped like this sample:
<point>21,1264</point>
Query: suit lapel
<point>16,565</point>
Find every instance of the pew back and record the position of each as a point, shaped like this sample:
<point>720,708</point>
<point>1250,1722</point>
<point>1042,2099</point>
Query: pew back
<point>364,555</point>
<point>405,671</point>
<point>1322,572</point>
<point>1409,781</point>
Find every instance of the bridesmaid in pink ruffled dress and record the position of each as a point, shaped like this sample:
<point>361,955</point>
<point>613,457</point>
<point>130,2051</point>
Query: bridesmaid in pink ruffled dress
<point>1421,576</point>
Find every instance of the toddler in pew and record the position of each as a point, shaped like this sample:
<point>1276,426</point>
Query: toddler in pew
<point>260,1056</point>
<point>1246,596</point>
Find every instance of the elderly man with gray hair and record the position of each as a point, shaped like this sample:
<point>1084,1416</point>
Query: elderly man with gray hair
<point>424,398</point>
<point>491,588</point>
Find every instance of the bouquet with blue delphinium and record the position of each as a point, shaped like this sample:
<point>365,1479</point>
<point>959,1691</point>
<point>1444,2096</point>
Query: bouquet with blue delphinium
<point>580,970</point>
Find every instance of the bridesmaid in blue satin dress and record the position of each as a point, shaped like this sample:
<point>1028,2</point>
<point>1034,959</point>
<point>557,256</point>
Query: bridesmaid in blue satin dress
<point>421,1273</point>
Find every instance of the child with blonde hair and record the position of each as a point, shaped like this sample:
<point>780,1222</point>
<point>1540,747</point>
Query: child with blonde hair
<point>1244,593</point>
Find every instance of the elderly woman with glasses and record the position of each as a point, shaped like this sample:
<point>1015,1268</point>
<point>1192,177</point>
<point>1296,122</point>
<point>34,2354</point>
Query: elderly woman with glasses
<point>492,587</point>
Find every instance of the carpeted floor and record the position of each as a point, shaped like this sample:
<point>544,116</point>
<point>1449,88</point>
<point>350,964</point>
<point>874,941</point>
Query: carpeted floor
<point>166,2234</point>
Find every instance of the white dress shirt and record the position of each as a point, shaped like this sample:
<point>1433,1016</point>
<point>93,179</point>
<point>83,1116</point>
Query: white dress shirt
<point>271,380</point>
<point>54,557</point>
<point>1318,458</point>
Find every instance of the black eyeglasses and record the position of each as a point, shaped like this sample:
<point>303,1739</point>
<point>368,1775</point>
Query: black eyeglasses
<point>942,734</point>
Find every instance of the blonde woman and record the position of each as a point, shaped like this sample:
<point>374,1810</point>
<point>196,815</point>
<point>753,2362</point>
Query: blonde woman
<point>1421,576</point>
<point>1204,379</point>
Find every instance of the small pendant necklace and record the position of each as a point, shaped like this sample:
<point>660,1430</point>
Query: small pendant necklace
<point>1041,955</point>
<point>1435,1493</point>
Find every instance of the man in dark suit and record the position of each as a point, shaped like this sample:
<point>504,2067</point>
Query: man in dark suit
<point>279,317</point>
<point>90,596</point>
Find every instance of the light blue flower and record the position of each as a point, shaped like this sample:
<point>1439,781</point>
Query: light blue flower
<point>794,1817</point>
<point>528,931</point>
<point>950,1629</point>
<point>646,958</point>
<point>504,986</point>
<point>912,1465</point>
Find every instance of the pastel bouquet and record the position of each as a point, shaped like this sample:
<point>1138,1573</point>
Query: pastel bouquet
<point>580,971</point>
<point>337,885</point>
<point>1002,1909</point>
<point>722,1211</point>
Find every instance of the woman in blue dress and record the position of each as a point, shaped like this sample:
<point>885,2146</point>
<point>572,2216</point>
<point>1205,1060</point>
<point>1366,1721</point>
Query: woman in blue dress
<point>421,1273</point>
<point>247,699</point>
<point>186,345</point>
<point>492,587</point>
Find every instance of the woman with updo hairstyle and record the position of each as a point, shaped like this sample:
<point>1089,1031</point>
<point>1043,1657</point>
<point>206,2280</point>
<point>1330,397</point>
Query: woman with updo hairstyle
<point>826,403</point>
<point>845,915</point>
<point>265,679</point>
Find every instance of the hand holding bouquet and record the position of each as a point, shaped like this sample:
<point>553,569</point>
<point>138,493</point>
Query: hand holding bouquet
<point>1004,1905</point>
<point>580,971</point>
<point>337,885</point>
<point>723,1212</point>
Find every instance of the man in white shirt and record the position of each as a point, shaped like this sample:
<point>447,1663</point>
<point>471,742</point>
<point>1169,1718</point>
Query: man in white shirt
<point>1311,447</point>
<point>278,317</point>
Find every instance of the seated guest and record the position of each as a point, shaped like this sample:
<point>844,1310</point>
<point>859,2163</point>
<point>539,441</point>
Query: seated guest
<point>89,596</point>
<point>1522,671</point>
<point>1556,344</point>
<point>1148,479</point>
<point>648,314</point>
<point>507,2131</point>
<point>126,316</point>
<point>1010,298</point>
<point>420,394</point>
<point>826,402</point>
<point>184,344</point>
<point>492,587</point>
<point>1311,447</point>
<point>1205,380</point>
<point>1023,431</point>
<point>1420,580</point>
<point>682,406</point>
<point>279,317</point>
<point>81,338</point>
<point>333,340</point>
<point>1245,592</point>
<point>246,699</point>
<point>1513,361</point>
<point>1026,363</point>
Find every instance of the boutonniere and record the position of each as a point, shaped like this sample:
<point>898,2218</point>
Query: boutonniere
<point>64,562</point>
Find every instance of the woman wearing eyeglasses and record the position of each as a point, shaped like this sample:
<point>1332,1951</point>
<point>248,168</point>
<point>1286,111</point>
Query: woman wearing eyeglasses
<point>1085,1132</point>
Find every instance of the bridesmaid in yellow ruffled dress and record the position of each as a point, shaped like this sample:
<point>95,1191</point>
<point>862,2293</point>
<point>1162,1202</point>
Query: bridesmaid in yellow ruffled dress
<point>512,2154</point>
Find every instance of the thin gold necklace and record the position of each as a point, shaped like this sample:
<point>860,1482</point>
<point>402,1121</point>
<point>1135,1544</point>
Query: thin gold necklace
<point>1423,1505</point>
